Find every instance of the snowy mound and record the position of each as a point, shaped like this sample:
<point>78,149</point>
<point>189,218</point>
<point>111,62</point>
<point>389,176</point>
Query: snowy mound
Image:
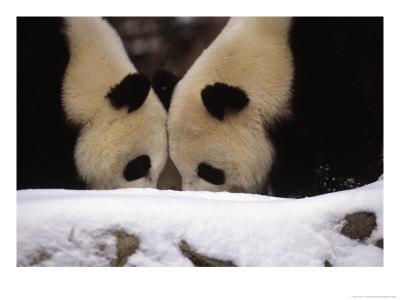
<point>147,227</point>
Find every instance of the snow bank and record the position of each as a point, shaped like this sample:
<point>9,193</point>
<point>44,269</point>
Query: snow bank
<point>147,227</point>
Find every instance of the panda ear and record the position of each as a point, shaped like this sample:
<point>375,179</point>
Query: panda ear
<point>219,96</point>
<point>164,83</point>
<point>132,91</point>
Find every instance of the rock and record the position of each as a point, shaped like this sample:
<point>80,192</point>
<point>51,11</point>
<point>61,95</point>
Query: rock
<point>327,264</point>
<point>359,226</point>
<point>379,244</point>
<point>200,260</point>
<point>42,256</point>
<point>126,246</point>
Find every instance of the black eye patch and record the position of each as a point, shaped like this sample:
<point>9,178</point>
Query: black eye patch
<point>132,91</point>
<point>137,168</point>
<point>216,98</point>
<point>211,174</point>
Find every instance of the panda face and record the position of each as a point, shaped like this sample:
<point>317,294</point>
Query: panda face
<point>222,108</point>
<point>215,147</point>
<point>122,141</point>
<point>123,148</point>
<point>222,161</point>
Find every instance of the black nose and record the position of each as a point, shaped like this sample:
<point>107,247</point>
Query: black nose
<point>137,168</point>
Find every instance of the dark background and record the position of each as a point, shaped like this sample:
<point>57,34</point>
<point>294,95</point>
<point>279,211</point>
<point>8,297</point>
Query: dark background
<point>173,43</point>
<point>335,140</point>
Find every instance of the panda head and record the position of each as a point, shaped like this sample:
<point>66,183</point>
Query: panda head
<point>222,109</point>
<point>213,143</point>
<point>126,145</point>
<point>122,123</point>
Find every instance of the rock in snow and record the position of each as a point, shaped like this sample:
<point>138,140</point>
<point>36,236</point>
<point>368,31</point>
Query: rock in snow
<point>147,227</point>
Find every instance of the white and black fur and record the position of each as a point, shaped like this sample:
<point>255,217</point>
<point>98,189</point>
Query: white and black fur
<point>219,110</point>
<point>291,107</point>
<point>86,116</point>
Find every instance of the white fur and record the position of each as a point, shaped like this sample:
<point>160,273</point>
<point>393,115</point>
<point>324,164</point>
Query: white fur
<point>254,55</point>
<point>109,138</point>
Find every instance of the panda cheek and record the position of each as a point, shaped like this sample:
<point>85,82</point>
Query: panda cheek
<point>137,168</point>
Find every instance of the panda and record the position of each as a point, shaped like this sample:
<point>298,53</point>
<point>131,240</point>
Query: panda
<point>85,116</point>
<point>220,110</point>
<point>289,107</point>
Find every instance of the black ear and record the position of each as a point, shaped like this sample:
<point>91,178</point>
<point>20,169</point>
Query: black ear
<point>132,91</point>
<point>220,95</point>
<point>163,84</point>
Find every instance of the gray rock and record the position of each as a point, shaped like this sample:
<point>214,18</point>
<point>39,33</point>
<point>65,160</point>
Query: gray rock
<point>359,226</point>
<point>126,246</point>
<point>379,244</point>
<point>327,264</point>
<point>41,256</point>
<point>200,260</point>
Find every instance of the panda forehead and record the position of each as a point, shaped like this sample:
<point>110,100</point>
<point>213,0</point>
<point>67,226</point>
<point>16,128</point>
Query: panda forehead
<point>132,129</point>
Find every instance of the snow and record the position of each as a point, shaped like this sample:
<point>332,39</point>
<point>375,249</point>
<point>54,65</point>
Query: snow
<point>76,228</point>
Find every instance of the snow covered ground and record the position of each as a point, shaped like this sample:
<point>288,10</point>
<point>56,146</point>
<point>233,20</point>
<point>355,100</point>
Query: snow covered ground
<point>148,227</point>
